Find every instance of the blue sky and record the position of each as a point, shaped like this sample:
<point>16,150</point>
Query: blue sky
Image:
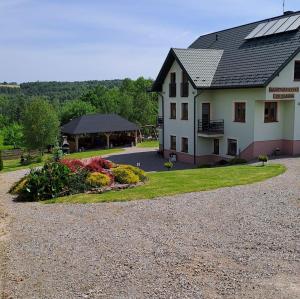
<point>69,40</point>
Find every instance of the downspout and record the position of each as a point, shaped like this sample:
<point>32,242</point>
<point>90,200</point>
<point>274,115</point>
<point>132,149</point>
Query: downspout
<point>195,125</point>
<point>163,116</point>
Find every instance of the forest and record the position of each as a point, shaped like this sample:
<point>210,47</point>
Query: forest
<point>128,98</point>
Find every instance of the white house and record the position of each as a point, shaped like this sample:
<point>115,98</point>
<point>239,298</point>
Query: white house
<point>233,93</point>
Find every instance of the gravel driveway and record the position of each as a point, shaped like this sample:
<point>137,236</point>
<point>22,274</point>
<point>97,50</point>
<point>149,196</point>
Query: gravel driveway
<point>238,242</point>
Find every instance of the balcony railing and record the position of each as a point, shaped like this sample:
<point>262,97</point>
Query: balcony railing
<point>160,121</point>
<point>172,90</point>
<point>184,89</point>
<point>211,127</point>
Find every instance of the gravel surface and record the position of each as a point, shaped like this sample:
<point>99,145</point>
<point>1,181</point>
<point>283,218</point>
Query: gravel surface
<point>238,242</point>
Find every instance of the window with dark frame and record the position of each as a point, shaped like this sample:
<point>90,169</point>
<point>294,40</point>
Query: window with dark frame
<point>270,112</point>
<point>173,143</point>
<point>184,145</point>
<point>297,71</point>
<point>184,111</point>
<point>172,110</point>
<point>184,85</point>
<point>240,112</point>
<point>232,147</point>
<point>172,86</point>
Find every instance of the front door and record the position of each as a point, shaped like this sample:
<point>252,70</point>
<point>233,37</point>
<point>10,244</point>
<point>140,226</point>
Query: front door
<point>216,146</point>
<point>205,115</point>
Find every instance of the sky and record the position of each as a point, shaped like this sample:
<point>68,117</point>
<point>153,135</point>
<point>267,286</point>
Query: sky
<point>75,40</point>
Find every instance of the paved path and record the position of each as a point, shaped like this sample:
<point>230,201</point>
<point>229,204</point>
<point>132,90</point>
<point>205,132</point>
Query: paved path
<point>238,242</point>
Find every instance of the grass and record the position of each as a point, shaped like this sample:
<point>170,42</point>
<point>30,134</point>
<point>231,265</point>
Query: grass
<point>182,181</point>
<point>89,154</point>
<point>150,143</point>
<point>12,165</point>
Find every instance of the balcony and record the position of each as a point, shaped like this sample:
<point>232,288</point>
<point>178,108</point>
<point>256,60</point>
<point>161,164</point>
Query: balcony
<point>172,90</point>
<point>212,128</point>
<point>160,122</point>
<point>184,89</point>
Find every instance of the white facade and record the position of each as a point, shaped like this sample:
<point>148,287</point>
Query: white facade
<point>253,137</point>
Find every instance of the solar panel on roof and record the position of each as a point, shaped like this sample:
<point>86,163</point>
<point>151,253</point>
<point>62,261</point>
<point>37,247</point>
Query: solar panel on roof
<point>287,24</point>
<point>256,30</point>
<point>295,25</point>
<point>276,26</point>
<point>268,26</point>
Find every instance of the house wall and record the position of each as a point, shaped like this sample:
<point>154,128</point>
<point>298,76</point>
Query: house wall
<point>223,108</point>
<point>254,137</point>
<point>177,127</point>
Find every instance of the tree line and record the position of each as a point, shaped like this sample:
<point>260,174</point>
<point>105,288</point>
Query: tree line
<point>67,100</point>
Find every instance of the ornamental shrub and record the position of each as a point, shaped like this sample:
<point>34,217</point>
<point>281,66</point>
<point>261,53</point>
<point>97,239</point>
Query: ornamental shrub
<point>98,179</point>
<point>168,165</point>
<point>263,159</point>
<point>45,183</point>
<point>137,171</point>
<point>93,166</point>
<point>77,182</point>
<point>72,164</point>
<point>19,186</point>
<point>125,176</point>
<point>97,164</point>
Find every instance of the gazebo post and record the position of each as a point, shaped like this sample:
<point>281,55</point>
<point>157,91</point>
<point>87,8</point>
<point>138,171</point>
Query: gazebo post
<point>135,137</point>
<point>76,143</point>
<point>107,140</point>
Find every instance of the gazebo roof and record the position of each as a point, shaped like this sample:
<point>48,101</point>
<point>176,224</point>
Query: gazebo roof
<point>98,123</point>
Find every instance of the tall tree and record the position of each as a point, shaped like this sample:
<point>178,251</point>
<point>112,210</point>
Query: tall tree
<point>41,125</point>
<point>76,108</point>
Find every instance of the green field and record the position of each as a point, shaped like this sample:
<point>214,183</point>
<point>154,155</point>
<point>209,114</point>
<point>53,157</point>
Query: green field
<point>12,165</point>
<point>182,181</point>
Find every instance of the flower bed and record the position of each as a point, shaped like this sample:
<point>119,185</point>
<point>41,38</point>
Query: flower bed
<point>67,177</point>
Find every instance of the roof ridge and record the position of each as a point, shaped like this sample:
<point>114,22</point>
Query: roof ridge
<point>197,49</point>
<point>264,20</point>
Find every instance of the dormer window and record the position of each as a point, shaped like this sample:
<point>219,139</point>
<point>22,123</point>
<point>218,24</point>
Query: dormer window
<point>297,71</point>
<point>172,87</point>
<point>185,85</point>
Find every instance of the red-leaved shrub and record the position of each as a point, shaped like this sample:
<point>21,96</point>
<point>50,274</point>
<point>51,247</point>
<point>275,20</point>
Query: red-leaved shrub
<point>72,164</point>
<point>93,166</point>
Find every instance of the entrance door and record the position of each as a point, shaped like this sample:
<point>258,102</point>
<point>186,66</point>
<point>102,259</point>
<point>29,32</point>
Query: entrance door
<point>205,116</point>
<point>216,146</point>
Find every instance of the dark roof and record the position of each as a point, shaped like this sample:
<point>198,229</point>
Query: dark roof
<point>98,123</point>
<point>245,63</point>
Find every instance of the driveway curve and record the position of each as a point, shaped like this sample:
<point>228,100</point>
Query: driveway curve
<point>237,242</point>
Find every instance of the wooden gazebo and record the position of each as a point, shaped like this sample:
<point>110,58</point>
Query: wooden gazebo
<point>99,124</point>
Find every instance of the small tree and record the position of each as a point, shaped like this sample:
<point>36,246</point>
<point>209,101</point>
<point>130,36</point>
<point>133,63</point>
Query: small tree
<point>168,165</point>
<point>263,158</point>
<point>13,135</point>
<point>41,125</point>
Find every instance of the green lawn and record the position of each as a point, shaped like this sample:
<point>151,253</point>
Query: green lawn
<point>151,143</point>
<point>182,181</point>
<point>12,165</point>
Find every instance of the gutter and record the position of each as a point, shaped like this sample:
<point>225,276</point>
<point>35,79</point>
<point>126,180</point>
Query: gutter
<point>195,126</point>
